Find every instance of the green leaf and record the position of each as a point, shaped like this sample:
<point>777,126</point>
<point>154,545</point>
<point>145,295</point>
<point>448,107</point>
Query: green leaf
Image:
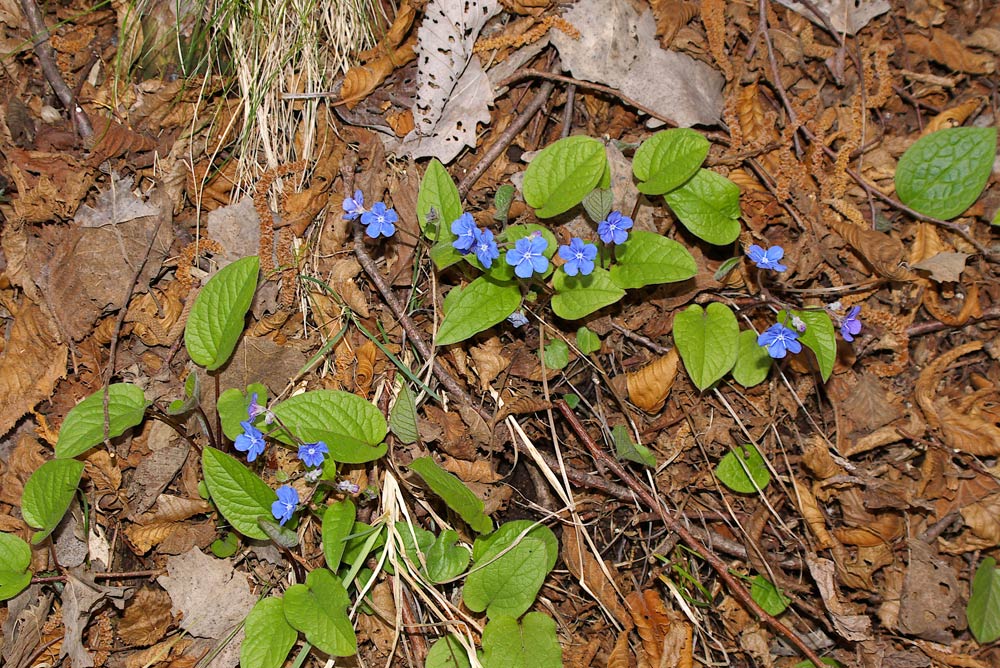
<point>352,427</point>
<point>443,254</point>
<point>480,305</point>
<point>447,652</point>
<point>599,203</point>
<point>587,341</point>
<point>819,337</point>
<point>668,159</point>
<point>357,547</point>
<point>558,178</point>
<point>454,493</point>
<point>319,609</point>
<point>446,559</point>
<point>416,542</point>
<point>439,192</point>
<point>338,524</point>
<point>83,427</point>
<point>767,596</point>
<point>502,200</point>
<point>48,493</point>
<point>216,320</point>
<point>240,496</point>
<point>648,258</point>
<point>708,205</point>
<point>752,361</point>
<point>826,662</point>
<point>532,643</point>
<point>743,470</point>
<point>279,534</point>
<point>192,397</point>
<point>15,557</point>
<point>626,448</point>
<point>226,546</point>
<point>556,354</point>
<point>508,584</point>
<point>727,267</point>
<point>578,296</point>
<point>707,341</point>
<point>983,610</point>
<point>944,173</point>
<point>269,638</point>
<point>232,406</point>
<point>403,415</point>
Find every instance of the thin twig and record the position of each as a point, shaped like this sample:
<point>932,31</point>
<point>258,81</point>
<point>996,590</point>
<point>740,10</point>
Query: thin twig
<point>47,61</point>
<point>717,564</point>
<point>580,83</point>
<point>124,575</point>
<point>503,141</point>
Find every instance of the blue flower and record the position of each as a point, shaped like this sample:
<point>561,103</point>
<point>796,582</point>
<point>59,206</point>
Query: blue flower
<point>255,409</point>
<point>379,222</point>
<point>348,487</point>
<point>527,256</point>
<point>486,249</point>
<point>312,453</point>
<point>251,441</point>
<point>284,507</point>
<point>517,319</point>
<point>779,340</point>
<point>579,257</point>
<point>464,227</point>
<point>613,230</point>
<point>354,206</point>
<point>767,259</point>
<point>850,326</point>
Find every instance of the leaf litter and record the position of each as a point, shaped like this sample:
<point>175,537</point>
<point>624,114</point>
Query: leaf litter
<point>886,476</point>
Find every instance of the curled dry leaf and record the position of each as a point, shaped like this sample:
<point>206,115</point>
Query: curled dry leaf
<point>361,80</point>
<point>489,360</point>
<point>651,621</point>
<point>965,431</point>
<point>621,655</point>
<point>951,118</point>
<point>883,252</point>
<point>364,372</point>
<point>649,386</point>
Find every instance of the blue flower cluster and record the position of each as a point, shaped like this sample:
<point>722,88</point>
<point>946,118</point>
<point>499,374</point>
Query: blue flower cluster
<point>379,221</point>
<point>473,240</point>
<point>252,442</point>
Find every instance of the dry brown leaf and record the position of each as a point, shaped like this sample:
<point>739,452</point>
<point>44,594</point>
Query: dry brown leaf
<point>453,439</point>
<point>651,621</point>
<point>164,520</point>
<point>970,308</point>
<point>489,360</point>
<point>49,185</point>
<point>847,619</point>
<point>526,7</point>
<point>364,372</point>
<point>103,473</point>
<point>361,80</point>
<point>587,569</point>
<point>944,656</point>
<point>649,386</point>
<point>341,279</point>
<point>983,519</point>
<point>147,617</point>
<point>621,655</point>
<point>378,627</point>
<point>963,431</point>
<point>951,118</point>
<point>881,529</point>
<point>941,47</point>
<point>671,16</point>
<point>480,470</point>
<point>33,360</point>
<point>112,139</point>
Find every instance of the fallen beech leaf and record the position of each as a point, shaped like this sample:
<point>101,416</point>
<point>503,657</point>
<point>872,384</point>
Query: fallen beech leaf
<point>651,621</point>
<point>586,568</point>
<point>931,599</point>
<point>649,386</point>
<point>945,49</point>
<point>361,80</point>
<point>951,118</point>
<point>944,267</point>
<point>33,360</point>
<point>147,617</point>
<point>211,595</point>
<point>489,360</point>
<point>963,431</point>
